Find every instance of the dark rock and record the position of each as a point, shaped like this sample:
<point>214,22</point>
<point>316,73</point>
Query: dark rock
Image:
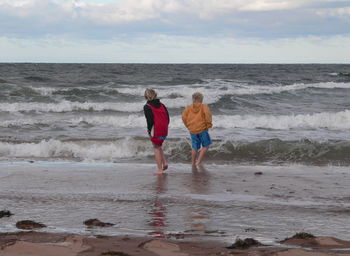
<point>258,173</point>
<point>301,235</point>
<point>176,236</point>
<point>244,244</point>
<point>29,224</point>
<point>110,253</point>
<point>97,223</point>
<point>250,230</point>
<point>5,214</point>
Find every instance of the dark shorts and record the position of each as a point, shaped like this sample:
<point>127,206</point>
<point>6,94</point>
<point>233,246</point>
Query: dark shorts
<point>200,139</point>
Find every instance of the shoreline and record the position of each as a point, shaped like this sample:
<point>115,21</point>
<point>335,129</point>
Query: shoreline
<point>32,243</point>
<point>223,202</point>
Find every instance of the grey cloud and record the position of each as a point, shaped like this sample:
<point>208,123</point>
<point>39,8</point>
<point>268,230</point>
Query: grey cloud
<point>77,19</point>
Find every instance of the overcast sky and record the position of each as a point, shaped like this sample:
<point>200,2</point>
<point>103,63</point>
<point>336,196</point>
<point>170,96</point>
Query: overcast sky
<point>175,31</point>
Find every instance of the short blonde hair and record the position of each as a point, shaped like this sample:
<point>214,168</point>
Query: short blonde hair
<point>197,97</point>
<point>150,94</point>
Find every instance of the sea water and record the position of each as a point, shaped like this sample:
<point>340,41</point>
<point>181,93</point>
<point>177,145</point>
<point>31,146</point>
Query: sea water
<point>84,128</point>
<point>94,112</point>
<point>220,202</point>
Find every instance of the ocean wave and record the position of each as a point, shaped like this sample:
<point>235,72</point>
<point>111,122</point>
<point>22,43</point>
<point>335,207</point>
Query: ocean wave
<point>218,87</point>
<point>37,79</point>
<point>69,106</point>
<point>325,120</point>
<point>77,150</point>
<point>22,122</point>
<point>178,150</point>
<point>173,96</point>
<point>75,91</point>
<point>180,95</point>
<point>343,74</point>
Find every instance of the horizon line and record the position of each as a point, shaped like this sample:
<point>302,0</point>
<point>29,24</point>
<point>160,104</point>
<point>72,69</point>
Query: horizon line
<point>182,63</point>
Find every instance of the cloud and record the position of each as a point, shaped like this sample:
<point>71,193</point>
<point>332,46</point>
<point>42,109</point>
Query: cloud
<point>343,12</point>
<point>179,49</point>
<point>106,19</point>
<point>175,30</point>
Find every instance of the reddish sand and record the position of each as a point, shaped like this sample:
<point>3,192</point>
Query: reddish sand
<point>46,244</point>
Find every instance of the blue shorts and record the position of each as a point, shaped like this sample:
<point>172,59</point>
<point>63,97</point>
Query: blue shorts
<point>199,139</point>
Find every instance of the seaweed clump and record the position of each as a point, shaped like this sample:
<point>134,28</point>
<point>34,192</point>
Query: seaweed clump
<point>29,224</point>
<point>244,244</point>
<point>97,223</point>
<point>302,235</point>
<point>114,253</point>
<point>5,214</point>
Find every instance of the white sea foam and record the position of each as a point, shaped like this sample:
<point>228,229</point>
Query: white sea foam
<point>47,91</point>
<point>327,120</point>
<point>217,87</point>
<point>131,121</point>
<point>68,106</point>
<point>173,96</point>
<point>180,95</point>
<point>82,150</point>
<point>18,122</point>
<point>333,74</point>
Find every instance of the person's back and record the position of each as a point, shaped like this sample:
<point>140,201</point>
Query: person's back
<point>197,118</point>
<point>157,117</point>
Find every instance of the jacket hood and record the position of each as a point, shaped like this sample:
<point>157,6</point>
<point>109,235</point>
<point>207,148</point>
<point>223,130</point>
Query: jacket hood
<point>155,103</point>
<point>196,107</point>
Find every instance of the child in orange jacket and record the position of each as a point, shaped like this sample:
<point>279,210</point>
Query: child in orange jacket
<point>197,118</point>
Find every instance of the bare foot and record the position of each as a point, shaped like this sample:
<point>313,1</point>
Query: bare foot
<point>165,166</point>
<point>159,172</point>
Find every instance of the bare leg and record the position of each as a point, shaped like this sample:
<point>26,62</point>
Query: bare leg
<point>194,156</point>
<point>201,156</point>
<point>164,161</point>
<point>158,158</point>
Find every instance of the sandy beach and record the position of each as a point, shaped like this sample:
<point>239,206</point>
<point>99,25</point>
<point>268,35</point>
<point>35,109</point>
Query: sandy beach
<point>44,244</point>
<point>185,212</point>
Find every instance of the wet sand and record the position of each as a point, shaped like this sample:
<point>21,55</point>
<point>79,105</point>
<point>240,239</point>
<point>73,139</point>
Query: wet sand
<point>45,244</point>
<point>185,212</point>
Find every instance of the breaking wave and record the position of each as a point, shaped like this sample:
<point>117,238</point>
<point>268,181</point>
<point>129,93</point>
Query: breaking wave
<point>264,151</point>
<point>326,120</point>
<point>215,86</point>
<point>69,106</point>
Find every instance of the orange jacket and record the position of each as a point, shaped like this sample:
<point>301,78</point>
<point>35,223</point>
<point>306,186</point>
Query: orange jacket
<point>197,118</point>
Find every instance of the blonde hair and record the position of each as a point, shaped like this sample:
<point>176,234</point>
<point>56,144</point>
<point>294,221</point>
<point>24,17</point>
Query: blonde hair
<point>150,94</point>
<point>197,97</point>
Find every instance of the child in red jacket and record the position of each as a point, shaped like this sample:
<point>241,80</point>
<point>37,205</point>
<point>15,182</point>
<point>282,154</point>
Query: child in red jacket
<point>157,117</point>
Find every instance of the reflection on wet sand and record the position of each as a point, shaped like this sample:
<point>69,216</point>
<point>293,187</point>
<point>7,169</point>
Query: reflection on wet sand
<point>200,184</point>
<point>158,211</point>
